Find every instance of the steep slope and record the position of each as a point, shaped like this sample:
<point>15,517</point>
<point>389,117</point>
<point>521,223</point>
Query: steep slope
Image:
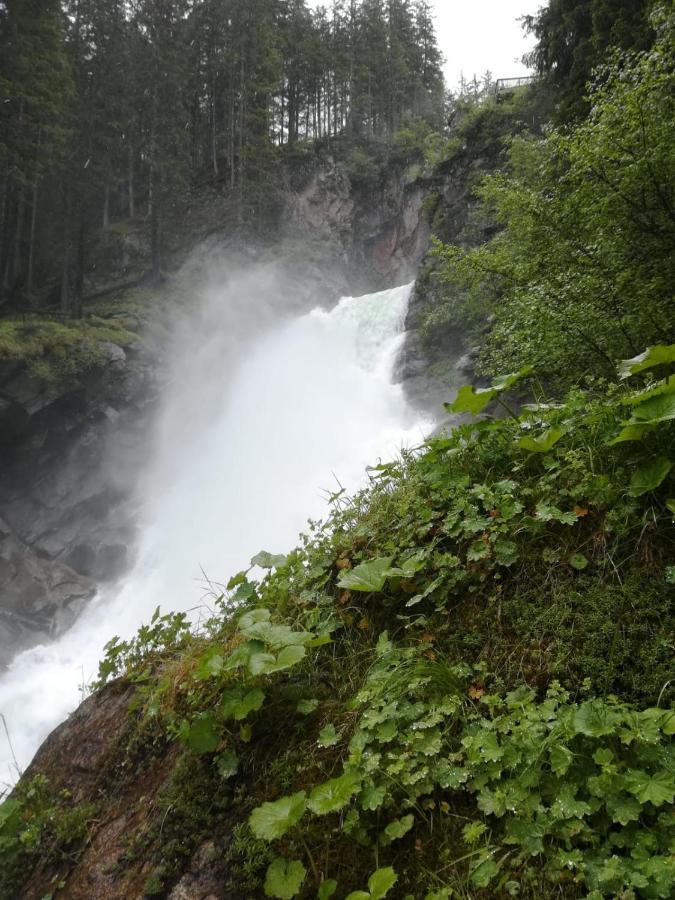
<point>458,685</point>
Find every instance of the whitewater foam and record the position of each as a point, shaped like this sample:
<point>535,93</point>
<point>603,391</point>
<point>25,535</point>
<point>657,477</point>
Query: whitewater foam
<point>245,452</point>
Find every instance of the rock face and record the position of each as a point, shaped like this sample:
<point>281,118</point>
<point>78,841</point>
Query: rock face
<point>433,367</point>
<point>377,221</point>
<point>87,757</point>
<point>64,489</point>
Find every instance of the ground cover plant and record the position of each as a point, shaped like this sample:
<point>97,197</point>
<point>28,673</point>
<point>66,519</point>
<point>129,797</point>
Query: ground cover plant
<point>458,685</point>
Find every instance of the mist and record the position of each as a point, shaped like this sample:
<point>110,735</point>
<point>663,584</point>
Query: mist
<point>272,399</point>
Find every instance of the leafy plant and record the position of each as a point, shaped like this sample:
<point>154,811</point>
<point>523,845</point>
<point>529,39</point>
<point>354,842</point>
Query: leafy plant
<point>284,879</point>
<point>379,885</point>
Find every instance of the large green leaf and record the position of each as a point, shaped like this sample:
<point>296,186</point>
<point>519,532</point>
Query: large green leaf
<point>327,889</point>
<point>474,400</point>
<point>272,820</point>
<point>259,614</point>
<point>623,809</point>
<point>307,706</point>
<point>237,704</point>
<point>649,476</point>
<point>328,736</point>
<point>381,882</point>
<point>262,663</point>
<point>484,872</point>
<point>471,400</point>
<point>638,397</point>
<point>369,576</point>
<point>333,795</point>
<point>268,560</point>
<point>595,718</point>
<point>242,654</point>
<point>268,664</point>
<point>660,355</point>
<point>275,636</point>
<point>631,432</point>
<point>284,879</point>
<point>657,409</point>
<point>657,789</point>
<point>398,828</point>
<point>544,442</point>
<point>210,664</point>
<point>290,656</point>
<point>204,734</point>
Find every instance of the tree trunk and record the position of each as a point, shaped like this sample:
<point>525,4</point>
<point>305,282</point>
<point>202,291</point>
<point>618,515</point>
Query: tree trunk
<point>78,281</point>
<point>31,244</point>
<point>106,208</point>
<point>242,119</point>
<point>156,239</point>
<point>131,182</point>
<point>233,169</point>
<point>18,235</point>
<point>67,249</point>
<point>214,129</point>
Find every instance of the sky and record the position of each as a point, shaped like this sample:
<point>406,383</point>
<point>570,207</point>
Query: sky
<point>477,35</point>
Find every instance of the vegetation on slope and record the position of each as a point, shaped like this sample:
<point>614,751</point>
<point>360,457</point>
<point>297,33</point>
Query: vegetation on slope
<point>581,270</point>
<point>458,685</point>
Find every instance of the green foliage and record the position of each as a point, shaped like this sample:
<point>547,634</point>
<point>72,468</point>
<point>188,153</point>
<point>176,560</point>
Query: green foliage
<point>268,560</point>
<point>273,820</point>
<point>37,822</point>
<point>369,576</point>
<point>379,885</point>
<point>466,669</point>
<point>284,879</point>
<point>582,271</point>
<point>57,353</point>
<point>575,36</point>
<point>474,400</point>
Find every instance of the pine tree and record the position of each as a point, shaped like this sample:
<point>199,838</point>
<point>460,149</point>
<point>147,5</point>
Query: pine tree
<point>36,91</point>
<point>573,37</point>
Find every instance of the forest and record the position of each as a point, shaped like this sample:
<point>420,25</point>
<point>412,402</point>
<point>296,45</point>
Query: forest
<point>114,108</point>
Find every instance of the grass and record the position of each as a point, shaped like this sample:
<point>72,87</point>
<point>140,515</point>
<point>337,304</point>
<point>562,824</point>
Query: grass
<point>60,351</point>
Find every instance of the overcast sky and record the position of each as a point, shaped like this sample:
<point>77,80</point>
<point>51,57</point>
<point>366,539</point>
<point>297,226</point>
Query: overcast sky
<point>476,35</point>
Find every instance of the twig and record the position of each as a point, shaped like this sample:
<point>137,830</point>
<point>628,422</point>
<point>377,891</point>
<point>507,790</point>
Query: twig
<point>9,741</point>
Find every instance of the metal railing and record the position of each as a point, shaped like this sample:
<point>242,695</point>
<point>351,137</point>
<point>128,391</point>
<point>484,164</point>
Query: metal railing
<point>510,84</point>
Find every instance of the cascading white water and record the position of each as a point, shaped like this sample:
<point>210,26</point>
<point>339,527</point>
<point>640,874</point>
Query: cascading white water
<point>243,456</point>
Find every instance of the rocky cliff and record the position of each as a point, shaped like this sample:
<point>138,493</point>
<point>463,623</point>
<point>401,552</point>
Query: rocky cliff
<point>65,522</point>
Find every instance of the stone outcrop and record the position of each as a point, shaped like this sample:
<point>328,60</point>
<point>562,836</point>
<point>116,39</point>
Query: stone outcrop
<point>377,220</point>
<point>87,757</point>
<point>65,488</point>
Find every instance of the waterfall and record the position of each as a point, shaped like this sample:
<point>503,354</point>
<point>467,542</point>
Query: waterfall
<point>250,438</point>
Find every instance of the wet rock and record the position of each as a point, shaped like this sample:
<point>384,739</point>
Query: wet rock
<point>40,598</point>
<point>466,364</point>
<point>66,458</point>
<point>206,875</point>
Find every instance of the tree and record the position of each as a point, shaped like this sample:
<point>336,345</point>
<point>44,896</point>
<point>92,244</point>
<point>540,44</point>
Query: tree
<point>36,90</point>
<point>582,273</point>
<point>573,37</point>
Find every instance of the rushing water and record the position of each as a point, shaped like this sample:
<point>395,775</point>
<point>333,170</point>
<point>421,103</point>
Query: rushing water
<point>249,440</point>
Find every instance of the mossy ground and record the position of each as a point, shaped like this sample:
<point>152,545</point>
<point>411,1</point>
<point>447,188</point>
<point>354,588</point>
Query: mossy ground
<point>58,350</point>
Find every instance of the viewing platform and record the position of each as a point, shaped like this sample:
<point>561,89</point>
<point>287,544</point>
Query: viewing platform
<point>504,85</point>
